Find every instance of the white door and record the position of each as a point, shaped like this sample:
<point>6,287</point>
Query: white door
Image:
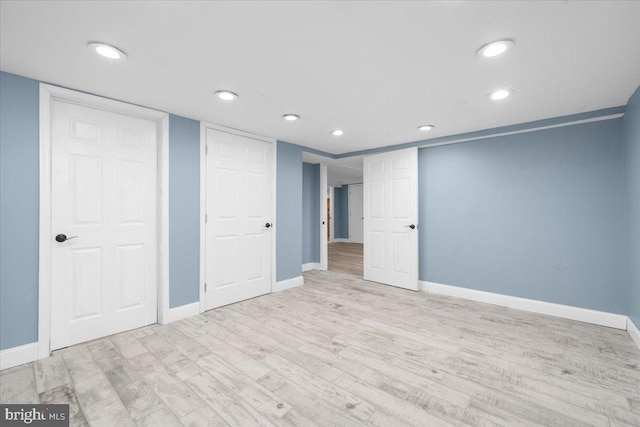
<point>356,214</point>
<point>103,199</point>
<point>239,229</point>
<point>390,218</point>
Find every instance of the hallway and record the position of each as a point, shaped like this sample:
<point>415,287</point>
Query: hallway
<point>346,258</point>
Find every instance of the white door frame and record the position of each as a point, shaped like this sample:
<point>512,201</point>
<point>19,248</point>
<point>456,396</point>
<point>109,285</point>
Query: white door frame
<point>331,196</point>
<point>203,194</point>
<point>324,261</point>
<point>48,94</point>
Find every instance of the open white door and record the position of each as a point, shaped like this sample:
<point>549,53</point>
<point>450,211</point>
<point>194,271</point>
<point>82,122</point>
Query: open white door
<point>239,209</point>
<point>390,218</point>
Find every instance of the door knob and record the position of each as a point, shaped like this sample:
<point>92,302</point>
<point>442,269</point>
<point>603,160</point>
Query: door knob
<point>410,226</point>
<point>268,225</point>
<point>63,238</point>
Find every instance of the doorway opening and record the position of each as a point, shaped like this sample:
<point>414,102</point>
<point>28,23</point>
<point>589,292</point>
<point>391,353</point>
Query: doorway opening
<point>372,203</point>
<point>345,248</point>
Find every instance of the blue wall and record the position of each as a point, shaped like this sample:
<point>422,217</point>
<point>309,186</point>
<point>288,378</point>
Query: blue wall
<point>631,125</point>
<point>19,198</point>
<point>288,211</point>
<point>19,207</point>
<point>341,212</point>
<point>538,215</point>
<point>184,211</point>
<point>310,213</point>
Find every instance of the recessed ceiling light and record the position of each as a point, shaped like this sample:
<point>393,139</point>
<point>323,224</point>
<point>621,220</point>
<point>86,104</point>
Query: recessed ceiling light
<point>291,117</point>
<point>426,127</point>
<point>226,95</point>
<point>337,132</point>
<point>495,48</point>
<point>107,51</point>
<point>500,94</point>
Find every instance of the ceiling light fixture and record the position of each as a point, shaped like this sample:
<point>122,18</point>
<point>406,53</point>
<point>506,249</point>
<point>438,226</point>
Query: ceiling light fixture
<point>500,94</point>
<point>337,132</point>
<point>108,51</point>
<point>496,48</point>
<point>425,127</point>
<point>291,117</point>
<point>226,95</point>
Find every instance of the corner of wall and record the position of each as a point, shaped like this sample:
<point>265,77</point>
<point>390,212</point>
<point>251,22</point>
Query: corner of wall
<point>288,222</point>
<point>283,285</point>
<point>631,135</point>
<point>184,211</point>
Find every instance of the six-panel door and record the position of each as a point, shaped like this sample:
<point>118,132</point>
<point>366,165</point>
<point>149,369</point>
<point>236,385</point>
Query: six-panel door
<point>390,218</point>
<point>239,210</point>
<point>103,189</point>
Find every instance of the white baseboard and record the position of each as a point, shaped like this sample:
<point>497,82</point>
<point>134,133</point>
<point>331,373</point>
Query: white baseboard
<point>633,331</point>
<point>341,240</point>
<point>288,284</point>
<point>311,266</point>
<point>18,355</point>
<point>184,311</point>
<point>611,320</point>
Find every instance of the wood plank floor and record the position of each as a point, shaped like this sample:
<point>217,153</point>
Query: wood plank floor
<point>346,258</point>
<point>340,351</point>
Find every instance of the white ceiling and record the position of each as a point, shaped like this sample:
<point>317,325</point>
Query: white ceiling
<point>374,69</point>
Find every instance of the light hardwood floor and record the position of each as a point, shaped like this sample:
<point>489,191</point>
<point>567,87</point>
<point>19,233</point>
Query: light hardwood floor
<point>340,351</point>
<point>346,258</point>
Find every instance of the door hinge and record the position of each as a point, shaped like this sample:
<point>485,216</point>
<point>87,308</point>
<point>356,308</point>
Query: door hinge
<point>206,149</point>
<point>206,218</point>
<point>205,287</point>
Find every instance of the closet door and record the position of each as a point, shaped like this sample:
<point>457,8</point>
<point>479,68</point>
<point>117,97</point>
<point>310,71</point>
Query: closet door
<point>104,218</point>
<point>239,207</point>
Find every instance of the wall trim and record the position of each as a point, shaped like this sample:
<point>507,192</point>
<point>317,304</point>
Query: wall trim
<point>163,227</point>
<point>274,213</point>
<point>183,311</point>
<point>341,240</point>
<point>239,132</point>
<point>47,94</point>
<point>611,320</point>
<point>535,129</point>
<point>633,331</point>
<point>15,356</point>
<point>288,284</point>
<point>324,255</point>
<point>312,266</point>
<point>537,125</point>
<point>332,213</point>
<point>203,213</point>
